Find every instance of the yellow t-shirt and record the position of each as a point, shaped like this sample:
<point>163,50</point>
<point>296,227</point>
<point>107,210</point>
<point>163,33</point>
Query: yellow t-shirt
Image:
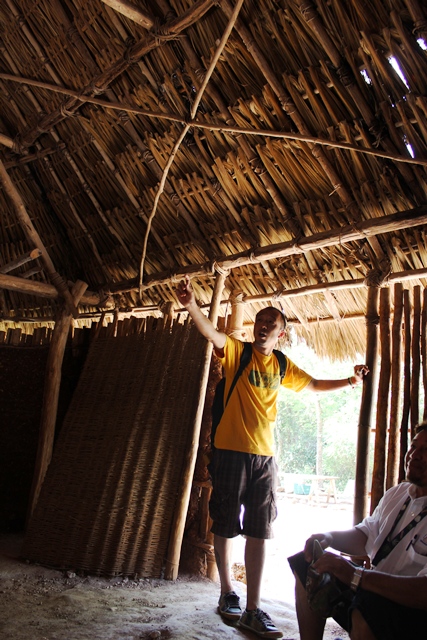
<point>249,418</point>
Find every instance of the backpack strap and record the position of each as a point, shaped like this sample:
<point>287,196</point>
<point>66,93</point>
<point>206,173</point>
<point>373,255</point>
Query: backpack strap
<point>245,358</point>
<point>283,362</point>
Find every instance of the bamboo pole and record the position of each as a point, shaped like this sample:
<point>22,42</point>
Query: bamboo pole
<point>235,327</point>
<point>424,350</point>
<point>198,124</point>
<point>407,311</point>
<point>395,405</point>
<point>8,142</point>
<point>132,12</point>
<point>178,524</point>
<point>227,32</point>
<point>34,238</point>
<point>366,408</point>
<point>51,396</point>
<point>255,255</point>
<point>416,360</point>
<point>379,470</point>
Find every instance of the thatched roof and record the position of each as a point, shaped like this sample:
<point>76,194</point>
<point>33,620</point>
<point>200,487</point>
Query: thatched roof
<point>279,140</point>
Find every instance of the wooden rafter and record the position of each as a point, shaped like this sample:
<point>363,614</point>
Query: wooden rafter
<point>34,239</point>
<point>348,233</point>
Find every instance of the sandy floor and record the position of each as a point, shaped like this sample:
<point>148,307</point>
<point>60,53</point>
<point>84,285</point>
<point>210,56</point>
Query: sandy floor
<point>42,604</point>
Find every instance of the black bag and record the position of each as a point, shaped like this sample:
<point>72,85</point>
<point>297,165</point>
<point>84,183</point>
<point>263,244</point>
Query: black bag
<point>325,594</point>
<point>218,404</point>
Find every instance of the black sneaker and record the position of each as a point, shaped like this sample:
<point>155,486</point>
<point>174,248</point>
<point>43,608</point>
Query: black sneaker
<point>260,623</point>
<point>229,606</point>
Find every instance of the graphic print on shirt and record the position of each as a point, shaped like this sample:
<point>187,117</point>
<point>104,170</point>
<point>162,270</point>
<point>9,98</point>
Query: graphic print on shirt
<point>264,380</point>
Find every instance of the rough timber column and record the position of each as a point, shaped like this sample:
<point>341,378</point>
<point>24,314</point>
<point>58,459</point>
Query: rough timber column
<point>365,418</point>
<point>51,394</point>
<point>177,531</point>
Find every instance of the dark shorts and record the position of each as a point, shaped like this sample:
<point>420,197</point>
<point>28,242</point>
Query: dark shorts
<point>243,479</point>
<point>386,619</point>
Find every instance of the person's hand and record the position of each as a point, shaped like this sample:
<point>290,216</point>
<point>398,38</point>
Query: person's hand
<point>360,370</point>
<point>185,292</point>
<point>324,539</point>
<point>336,565</point>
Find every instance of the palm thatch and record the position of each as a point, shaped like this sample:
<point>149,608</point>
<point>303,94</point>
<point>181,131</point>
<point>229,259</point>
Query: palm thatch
<point>282,141</point>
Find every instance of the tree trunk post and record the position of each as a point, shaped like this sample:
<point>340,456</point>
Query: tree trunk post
<point>51,395</point>
<point>178,524</point>
<point>378,475</point>
<point>365,417</point>
<point>395,404</point>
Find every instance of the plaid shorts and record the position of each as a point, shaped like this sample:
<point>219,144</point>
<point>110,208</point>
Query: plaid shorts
<point>243,480</point>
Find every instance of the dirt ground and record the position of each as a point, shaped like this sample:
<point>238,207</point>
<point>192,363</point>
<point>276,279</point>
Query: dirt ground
<point>39,603</point>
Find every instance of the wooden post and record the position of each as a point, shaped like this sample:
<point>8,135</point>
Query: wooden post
<point>406,385</point>
<point>369,384</point>
<point>51,395</point>
<point>416,360</point>
<point>424,350</point>
<point>395,405</point>
<point>378,475</point>
<point>177,529</point>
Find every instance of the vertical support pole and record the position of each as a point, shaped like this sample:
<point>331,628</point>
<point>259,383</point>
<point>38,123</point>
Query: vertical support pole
<point>395,404</point>
<point>416,360</point>
<point>424,350</point>
<point>378,475</point>
<point>51,395</point>
<point>407,309</point>
<point>178,524</point>
<point>365,417</point>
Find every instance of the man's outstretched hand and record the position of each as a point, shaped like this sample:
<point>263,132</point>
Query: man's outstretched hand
<point>185,292</point>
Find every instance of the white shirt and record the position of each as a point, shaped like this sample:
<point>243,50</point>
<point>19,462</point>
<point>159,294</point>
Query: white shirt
<point>409,556</point>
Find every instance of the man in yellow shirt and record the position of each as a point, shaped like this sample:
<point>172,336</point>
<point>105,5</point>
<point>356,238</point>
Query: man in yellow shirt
<point>244,471</point>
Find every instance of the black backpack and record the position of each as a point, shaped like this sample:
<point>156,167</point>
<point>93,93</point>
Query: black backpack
<point>218,404</point>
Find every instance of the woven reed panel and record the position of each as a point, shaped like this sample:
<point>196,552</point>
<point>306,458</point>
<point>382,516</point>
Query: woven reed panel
<point>109,496</point>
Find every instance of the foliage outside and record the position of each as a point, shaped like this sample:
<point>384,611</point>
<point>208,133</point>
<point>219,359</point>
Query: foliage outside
<point>332,415</point>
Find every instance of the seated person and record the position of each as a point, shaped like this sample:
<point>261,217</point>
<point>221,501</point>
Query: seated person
<point>388,601</point>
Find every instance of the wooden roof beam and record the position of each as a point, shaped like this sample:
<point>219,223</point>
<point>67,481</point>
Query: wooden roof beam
<point>348,233</point>
<point>43,290</point>
<point>93,299</point>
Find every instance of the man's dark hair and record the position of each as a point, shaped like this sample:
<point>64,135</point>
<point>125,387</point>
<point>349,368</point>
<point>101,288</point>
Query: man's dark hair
<point>421,426</point>
<point>280,313</point>
<point>285,322</point>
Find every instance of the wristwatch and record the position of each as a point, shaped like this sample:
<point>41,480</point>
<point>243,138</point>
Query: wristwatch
<point>357,576</point>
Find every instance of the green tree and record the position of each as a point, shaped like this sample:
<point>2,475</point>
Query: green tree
<point>297,425</point>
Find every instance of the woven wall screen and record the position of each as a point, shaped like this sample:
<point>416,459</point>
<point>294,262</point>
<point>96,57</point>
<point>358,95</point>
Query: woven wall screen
<point>108,500</point>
